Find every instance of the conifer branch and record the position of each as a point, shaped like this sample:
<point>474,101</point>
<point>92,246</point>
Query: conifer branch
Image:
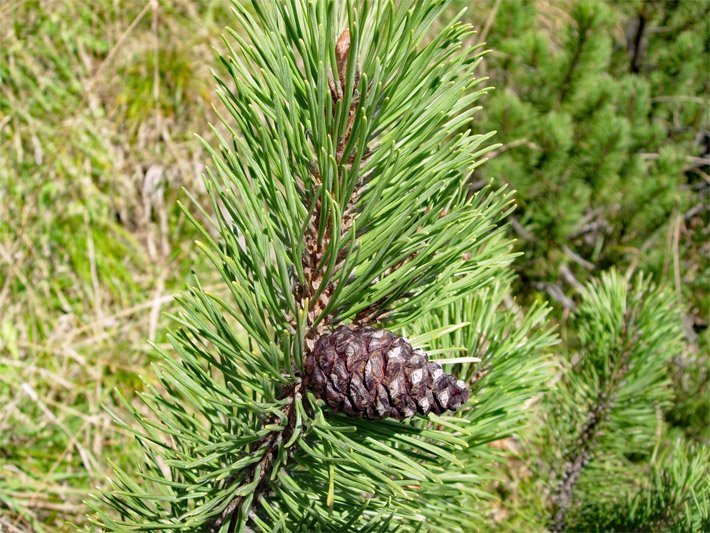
<point>589,432</point>
<point>259,472</point>
<point>311,304</point>
<point>339,195</point>
<point>316,246</point>
<point>673,496</point>
<point>569,73</point>
<point>606,408</point>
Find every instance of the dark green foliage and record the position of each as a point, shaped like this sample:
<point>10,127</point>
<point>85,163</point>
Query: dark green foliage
<point>604,429</point>
<point>602,108</point>
<point>600,120</point>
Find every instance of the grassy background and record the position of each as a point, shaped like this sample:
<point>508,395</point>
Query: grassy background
<point>99,104</point>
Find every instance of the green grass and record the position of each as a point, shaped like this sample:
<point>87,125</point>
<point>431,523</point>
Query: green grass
<point>98,107</point>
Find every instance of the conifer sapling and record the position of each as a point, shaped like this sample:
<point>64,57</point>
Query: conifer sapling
<point>342,213</point>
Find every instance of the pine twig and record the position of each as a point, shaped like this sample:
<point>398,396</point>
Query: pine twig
<point>570,278</point>
<point>489,22</point>
<point>557,293</point>
<point>590,431</point>
<point>520,230</point>
<point>574,63</point>
<point>574,468</point>
<point>691,162</point>
<point>636,43</point>
<point>304,293</point>
<point>261,470</point>
<point>581,261</point>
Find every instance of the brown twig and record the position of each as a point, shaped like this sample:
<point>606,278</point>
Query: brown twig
<point>695,210</point>
<point>691,162</point>
<point>636,42</point>
<point>520,230</point>
<point>570,278</point>
<point>513,144</point>
<point>581,261</point>
<point>557,293</point>
<point>489,22</point>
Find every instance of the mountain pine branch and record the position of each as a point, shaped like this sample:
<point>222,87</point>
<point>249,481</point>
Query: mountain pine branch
<point>582,449</point>
<point>605,407</point>
<point>259,472</point>
<point>340,195</point>
<point>312,296</point>
<point>674,495</point>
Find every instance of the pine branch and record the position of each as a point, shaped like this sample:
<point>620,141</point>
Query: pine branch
<point>606,405</point>
<point>572,67</point>
<point>589,433</point>
<point>673,496</point>
<point>339,196</point>
<point>259,472</point>
<point>312,298</point>
<point>314,295</point>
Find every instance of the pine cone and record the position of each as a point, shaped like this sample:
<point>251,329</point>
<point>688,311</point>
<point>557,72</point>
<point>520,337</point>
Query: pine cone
<point>373,373</point>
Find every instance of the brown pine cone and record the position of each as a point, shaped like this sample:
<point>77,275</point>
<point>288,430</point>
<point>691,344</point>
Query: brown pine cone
<point>373,373</point>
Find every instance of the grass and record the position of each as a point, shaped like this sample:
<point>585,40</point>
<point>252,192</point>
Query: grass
<point>98,107</point>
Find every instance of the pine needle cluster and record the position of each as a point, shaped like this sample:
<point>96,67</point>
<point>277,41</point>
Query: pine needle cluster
<point>342,195</point>
<point>607,460</point>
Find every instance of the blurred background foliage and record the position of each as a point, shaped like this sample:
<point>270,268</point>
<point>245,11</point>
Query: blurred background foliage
<point>602,111</point>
